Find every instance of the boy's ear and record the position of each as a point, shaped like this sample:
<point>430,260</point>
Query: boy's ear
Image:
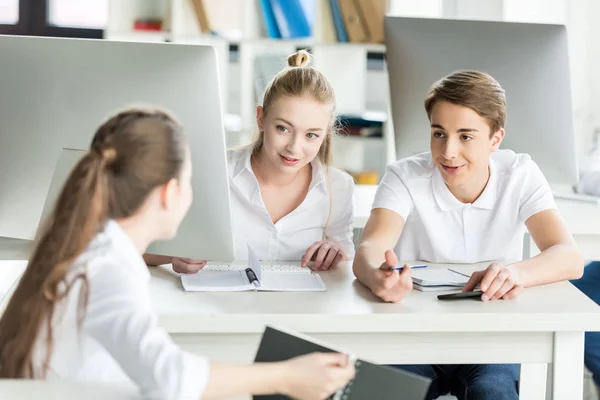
<point>496,139</point>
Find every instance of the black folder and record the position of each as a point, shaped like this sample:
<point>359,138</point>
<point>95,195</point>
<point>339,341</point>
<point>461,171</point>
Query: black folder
<point>371,381</point>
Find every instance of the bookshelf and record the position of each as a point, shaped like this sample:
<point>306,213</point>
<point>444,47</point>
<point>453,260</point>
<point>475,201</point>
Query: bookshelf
<point>247,36</point>
<point>340,62</point>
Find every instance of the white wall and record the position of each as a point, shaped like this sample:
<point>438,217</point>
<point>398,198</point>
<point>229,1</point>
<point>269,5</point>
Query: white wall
<point>584,31</point>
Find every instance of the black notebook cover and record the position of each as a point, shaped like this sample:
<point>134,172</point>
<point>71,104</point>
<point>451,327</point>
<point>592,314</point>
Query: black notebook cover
<point>371,381</point>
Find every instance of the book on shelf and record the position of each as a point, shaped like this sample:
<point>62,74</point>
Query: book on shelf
<point>356,21</point>
<point>201,16</point>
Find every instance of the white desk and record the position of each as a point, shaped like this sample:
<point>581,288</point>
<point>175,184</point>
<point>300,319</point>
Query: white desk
<point>63,390</point>
<point>545,325</point>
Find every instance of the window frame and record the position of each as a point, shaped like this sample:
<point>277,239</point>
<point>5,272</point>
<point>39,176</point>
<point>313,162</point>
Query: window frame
<point>33,21</point>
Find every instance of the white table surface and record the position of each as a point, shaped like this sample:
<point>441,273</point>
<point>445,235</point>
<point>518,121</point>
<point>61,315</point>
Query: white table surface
<point>63,390</point>
<point>348,305</point>
<point>544,325</point>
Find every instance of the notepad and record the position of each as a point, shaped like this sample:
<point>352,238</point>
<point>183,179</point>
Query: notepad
<point>232,278</point>
<point>437,279</point>
<point>371,381</point>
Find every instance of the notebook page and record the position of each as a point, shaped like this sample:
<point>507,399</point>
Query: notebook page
<point>285,267</point>
<point>277,266</point>
<point>438,276</point>
<point>437,288</point>
<point>216,281</point>
<point>291,282</point>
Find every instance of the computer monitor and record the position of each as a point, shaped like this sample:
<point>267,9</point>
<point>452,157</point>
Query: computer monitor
<point>55,93</point>
<point>529,60</point>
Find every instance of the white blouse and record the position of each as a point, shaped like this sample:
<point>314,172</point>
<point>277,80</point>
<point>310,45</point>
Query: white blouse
<point>292,235</point>
<point>119,340</point>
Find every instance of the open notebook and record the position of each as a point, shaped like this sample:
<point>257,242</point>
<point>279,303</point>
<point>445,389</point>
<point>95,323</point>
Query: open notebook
<point>232,278</point>
<point>371,381</point>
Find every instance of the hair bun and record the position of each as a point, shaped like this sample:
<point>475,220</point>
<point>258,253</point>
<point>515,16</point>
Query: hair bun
<point>300,58</point>
<point>109,155</point>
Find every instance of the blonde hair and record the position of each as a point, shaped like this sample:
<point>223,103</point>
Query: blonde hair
<point>476,90</point>
<point>299,79</point>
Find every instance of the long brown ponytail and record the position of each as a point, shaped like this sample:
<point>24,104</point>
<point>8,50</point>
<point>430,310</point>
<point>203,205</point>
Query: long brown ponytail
<point>108,182</point>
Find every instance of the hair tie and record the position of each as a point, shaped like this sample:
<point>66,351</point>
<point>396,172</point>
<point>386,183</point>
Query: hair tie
<point>109,154</point>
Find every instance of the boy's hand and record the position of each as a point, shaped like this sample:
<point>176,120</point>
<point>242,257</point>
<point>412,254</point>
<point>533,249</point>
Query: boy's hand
<point>391,286</point>
<point>496,282</point>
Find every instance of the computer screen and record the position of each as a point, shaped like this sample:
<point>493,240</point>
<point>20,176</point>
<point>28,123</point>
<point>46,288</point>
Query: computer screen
<point>56,92</point>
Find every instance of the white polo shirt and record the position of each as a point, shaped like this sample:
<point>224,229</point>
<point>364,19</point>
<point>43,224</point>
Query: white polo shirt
<point>119,340</point>
<point>292,235</point>
<point>439,228</point>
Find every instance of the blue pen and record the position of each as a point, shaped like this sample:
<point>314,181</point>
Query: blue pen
<point>411,267</point>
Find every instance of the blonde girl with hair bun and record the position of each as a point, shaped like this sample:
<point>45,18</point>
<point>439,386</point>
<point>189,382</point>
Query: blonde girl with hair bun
<point>288,202</point>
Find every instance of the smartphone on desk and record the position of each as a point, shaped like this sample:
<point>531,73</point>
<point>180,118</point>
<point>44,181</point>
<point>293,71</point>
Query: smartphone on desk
<point>475,294</point>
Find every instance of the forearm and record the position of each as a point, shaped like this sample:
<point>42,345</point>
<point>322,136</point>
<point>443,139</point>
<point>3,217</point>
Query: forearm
<point>368,257</point>
<point>556,263</point>
<point>153,260</point>
<point>229,380</point>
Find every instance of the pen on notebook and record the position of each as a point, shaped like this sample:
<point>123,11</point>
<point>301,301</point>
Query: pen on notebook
<point>400,268</point>
<point>252,277</point>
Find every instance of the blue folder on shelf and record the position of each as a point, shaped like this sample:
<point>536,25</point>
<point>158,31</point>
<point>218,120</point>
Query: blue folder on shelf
<point>338,21</point>
<point>291,19</point>
<point>271,28</point>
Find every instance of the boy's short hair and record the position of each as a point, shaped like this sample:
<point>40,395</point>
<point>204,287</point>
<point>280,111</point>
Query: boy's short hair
<point>476,90</point>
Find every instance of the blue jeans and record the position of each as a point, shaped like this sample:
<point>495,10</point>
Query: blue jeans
<point>589,284</point>
<point>470,382</point>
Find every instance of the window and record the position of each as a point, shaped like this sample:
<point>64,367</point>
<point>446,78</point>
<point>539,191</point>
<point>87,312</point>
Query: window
<point>9,12</point>
<point>88,14</point>
<point>61,18</point>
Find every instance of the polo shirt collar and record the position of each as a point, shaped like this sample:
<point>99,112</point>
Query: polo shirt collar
<point>446,200</point>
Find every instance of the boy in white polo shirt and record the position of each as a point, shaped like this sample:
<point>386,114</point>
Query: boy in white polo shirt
<point>465,201</point>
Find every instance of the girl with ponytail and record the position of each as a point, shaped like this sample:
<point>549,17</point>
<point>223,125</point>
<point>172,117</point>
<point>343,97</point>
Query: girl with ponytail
<point>82,308</point>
